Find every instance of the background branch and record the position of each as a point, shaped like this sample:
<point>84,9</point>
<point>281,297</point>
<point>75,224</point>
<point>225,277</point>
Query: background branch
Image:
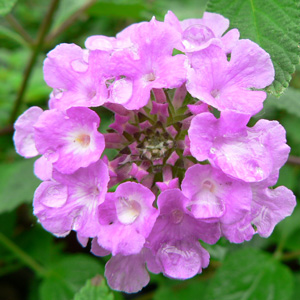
<point>65,25</point>
<point>13,22</point>
<point>293,160</point>
<point>33,57</point>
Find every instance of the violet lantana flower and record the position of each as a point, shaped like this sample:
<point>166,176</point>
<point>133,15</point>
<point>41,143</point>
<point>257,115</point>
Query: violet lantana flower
<point>70,202</point>
<point>150,63</point>
<point>198,34</point>
<point>267,209</point>
<point>181,176</point>
<point>24,132</point>
<point>77,76</point>
<point>215,196</point>
<point>70,139</point>
<point>247,153</point>
<point>127,217</point>
<point>228,85</point>
<point>174,238</point>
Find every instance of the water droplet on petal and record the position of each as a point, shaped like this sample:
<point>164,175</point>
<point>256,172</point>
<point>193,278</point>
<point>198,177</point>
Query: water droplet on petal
<point>255,169</point>
<point>79,66</point>
<point>196,36</point>
<point>215,93</point>
<point>213,150</point>
<point>121,90</point>
<point>149,77</point>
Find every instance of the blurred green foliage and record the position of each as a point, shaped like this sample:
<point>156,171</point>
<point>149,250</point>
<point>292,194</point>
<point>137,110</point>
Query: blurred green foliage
<point>36,266</point>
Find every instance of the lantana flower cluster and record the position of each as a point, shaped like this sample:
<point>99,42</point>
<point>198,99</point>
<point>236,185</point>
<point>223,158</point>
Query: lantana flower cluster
<point>188,170</point>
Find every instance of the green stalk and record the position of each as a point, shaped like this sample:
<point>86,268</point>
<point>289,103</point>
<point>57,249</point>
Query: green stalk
<point>23,256</point>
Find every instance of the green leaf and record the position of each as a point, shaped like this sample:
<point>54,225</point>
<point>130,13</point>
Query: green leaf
<point>288,177</point>
<point>6,6</point>
<point>121,9</point>
<point>274,25</point>
<point>217,251</point>
<point>184,9</point>
<point>68,276</point>
<point>95,289</point>
<point>17,184</point>
<point>31,240</point>
<point>287,232</point>
<point>291,123</point>
<point>7,223</point>
<point>178,290</point>
<point>251,274</point>
<point>289,101</point>
<point>296,294</point>
<point>7,226</point>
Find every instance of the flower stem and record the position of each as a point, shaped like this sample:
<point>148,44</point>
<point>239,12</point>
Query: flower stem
<point>19,28</point>
<point>22,256</point>
<point>293,160</point>
<point>65,25</point>
<point>278,252</point>
<point>290,255</point>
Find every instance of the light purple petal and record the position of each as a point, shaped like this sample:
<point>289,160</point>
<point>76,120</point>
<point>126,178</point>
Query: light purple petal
<point>43,168</point>
<point>148,65</point>
<point>226,85</point>
<point>24,132</point>
<point>170,18</point>
<point>71,201</point>
<point>240,231</point>
<point>250,65</point>
<point>214,195</point>
<point>120,239</point>
<point>127,273</point>
<point>58,70</point>
<point>251,154</point>
<point>230,39</point>
<point>160,38</point>
<point>127,217</point>
<point>255,156</point>
<point>75,75</point>
<point>48,197</point>
<point>51,194</point>
<point>182,259</point>
<point>98,250</point>
<point>83,241</point>
<point>270,207</point>
<point>203,129</point>
<point>176,223</point>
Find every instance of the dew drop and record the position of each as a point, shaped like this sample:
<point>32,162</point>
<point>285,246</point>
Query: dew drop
<point>215,93</point>
<point>213,150</point>
<point>196,36</point>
